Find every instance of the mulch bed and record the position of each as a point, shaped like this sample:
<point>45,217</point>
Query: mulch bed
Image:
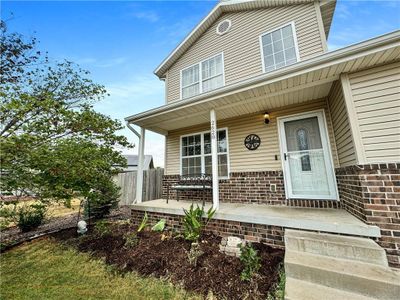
<point>215,272</point>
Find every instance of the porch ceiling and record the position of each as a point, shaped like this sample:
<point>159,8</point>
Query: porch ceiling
<point>304,81</point>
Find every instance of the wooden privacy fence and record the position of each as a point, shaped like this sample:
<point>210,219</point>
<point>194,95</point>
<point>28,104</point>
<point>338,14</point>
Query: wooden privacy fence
<point>152,185</point>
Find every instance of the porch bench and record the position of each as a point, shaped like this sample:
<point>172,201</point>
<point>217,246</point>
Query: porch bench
<point>199,182</point>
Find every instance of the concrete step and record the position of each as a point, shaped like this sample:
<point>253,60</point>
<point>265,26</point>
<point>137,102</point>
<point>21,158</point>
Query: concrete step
<point>357,277</point>
<point>360,249</point>
<point>302,290</point>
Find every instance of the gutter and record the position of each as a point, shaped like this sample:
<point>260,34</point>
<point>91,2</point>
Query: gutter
<point>301,67</point>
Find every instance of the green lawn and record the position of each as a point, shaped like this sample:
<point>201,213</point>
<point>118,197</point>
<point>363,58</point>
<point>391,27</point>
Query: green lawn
<point>46,270</point>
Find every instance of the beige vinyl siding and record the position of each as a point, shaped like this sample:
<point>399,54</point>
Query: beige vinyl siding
<point>341,126</point>
<point>241,45</point>
<point>376,97</point>
<point>241,159</point>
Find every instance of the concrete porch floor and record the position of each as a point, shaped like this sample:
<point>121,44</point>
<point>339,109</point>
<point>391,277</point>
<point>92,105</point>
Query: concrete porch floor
<point>326,220</point>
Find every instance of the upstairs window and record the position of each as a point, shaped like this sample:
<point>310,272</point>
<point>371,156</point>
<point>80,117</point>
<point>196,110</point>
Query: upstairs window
<point>203,77</point>
<point>190,82</point>
<point>279,48</point>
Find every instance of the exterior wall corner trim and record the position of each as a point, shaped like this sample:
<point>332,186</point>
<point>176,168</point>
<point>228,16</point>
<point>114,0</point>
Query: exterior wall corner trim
<point>352,117</point>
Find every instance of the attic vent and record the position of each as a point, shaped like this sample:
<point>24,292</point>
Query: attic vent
<point>223,27</point>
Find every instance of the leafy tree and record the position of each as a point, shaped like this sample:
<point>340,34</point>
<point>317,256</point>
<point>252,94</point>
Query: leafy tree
<point>53,143</point>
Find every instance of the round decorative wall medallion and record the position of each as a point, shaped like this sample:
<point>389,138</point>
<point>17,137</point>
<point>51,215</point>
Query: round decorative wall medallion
<point>252,141</point>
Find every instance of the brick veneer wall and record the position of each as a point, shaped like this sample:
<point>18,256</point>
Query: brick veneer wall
<point>248,187</point>
<point>271,235</point>
<point>372,194</point>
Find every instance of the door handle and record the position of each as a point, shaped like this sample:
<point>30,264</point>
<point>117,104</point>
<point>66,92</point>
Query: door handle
<point>285,156</point>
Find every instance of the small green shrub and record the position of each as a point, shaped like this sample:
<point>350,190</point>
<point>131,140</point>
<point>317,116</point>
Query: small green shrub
<point>30,217</point>
<point>102,199</point>
<point>251,261</point>
<point>159,227</point>
<point>193,222</point>
<point>143,224</point>
<point>131,240</point>
<point>102,228</point>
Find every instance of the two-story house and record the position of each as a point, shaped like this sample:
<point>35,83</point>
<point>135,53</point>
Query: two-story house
<point>293,135</point>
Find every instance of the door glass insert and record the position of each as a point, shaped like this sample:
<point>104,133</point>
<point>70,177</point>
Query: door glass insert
<point>306,159</point>
<point>302,141</point>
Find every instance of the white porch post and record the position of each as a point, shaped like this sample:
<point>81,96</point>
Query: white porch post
<point>214,159</point>
<point>139,178</point>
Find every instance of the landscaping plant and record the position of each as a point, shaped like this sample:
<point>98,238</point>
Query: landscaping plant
<point>131,240</point>
<point>102,228</point>
<point>143,224</point>
<point>251,262</point>
<point>279,291</point>
<point>194,222</point>
<point>29,217</point>
<point>159,227</point>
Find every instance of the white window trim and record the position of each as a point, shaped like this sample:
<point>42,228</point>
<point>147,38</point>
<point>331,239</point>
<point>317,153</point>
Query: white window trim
<point>201,75</point>
<point>202,155</point>
<point>296,45</point>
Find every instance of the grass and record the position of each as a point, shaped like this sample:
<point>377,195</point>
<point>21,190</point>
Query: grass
<point>44,269</point>
<point>59,209</point>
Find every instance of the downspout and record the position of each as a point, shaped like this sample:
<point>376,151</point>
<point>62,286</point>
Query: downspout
<point>139,178</point>
<point>133,129</point>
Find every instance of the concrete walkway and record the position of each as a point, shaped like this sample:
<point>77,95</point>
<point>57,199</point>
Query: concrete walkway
<point>327,220</point>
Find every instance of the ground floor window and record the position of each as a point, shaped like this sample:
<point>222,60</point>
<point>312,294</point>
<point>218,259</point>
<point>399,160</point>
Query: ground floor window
<point>196,153</point>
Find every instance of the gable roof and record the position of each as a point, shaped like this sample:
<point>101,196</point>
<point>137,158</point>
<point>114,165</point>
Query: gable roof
<point>327,9</point>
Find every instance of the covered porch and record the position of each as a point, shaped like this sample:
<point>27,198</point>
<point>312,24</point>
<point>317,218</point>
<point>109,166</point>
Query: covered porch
<point>323,220</point>
<point>304,87</point>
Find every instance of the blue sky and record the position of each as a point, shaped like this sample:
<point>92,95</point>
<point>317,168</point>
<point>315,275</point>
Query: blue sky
<point>122,42</point>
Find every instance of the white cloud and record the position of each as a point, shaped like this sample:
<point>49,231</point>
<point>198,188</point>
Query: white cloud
<point>85,61</point>
<point>149,16</point>
<point>100,63</point>
<point>136,10</point>
<point>137,88</point>
<point>342,11</point>
<point>175,32</point>
<point>357,33</point>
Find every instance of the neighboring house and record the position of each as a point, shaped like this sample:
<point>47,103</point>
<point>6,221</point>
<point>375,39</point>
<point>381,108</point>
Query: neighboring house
<point>254,98</point>
<point>133,162</point>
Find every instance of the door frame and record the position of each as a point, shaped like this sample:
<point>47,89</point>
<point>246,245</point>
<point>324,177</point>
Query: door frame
<point>323,129</point>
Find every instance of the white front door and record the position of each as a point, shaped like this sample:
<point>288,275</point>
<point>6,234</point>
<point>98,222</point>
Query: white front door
<point>306,156</point>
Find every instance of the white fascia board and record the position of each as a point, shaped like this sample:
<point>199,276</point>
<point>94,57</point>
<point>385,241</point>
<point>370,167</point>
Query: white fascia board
<point>354,51</point>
